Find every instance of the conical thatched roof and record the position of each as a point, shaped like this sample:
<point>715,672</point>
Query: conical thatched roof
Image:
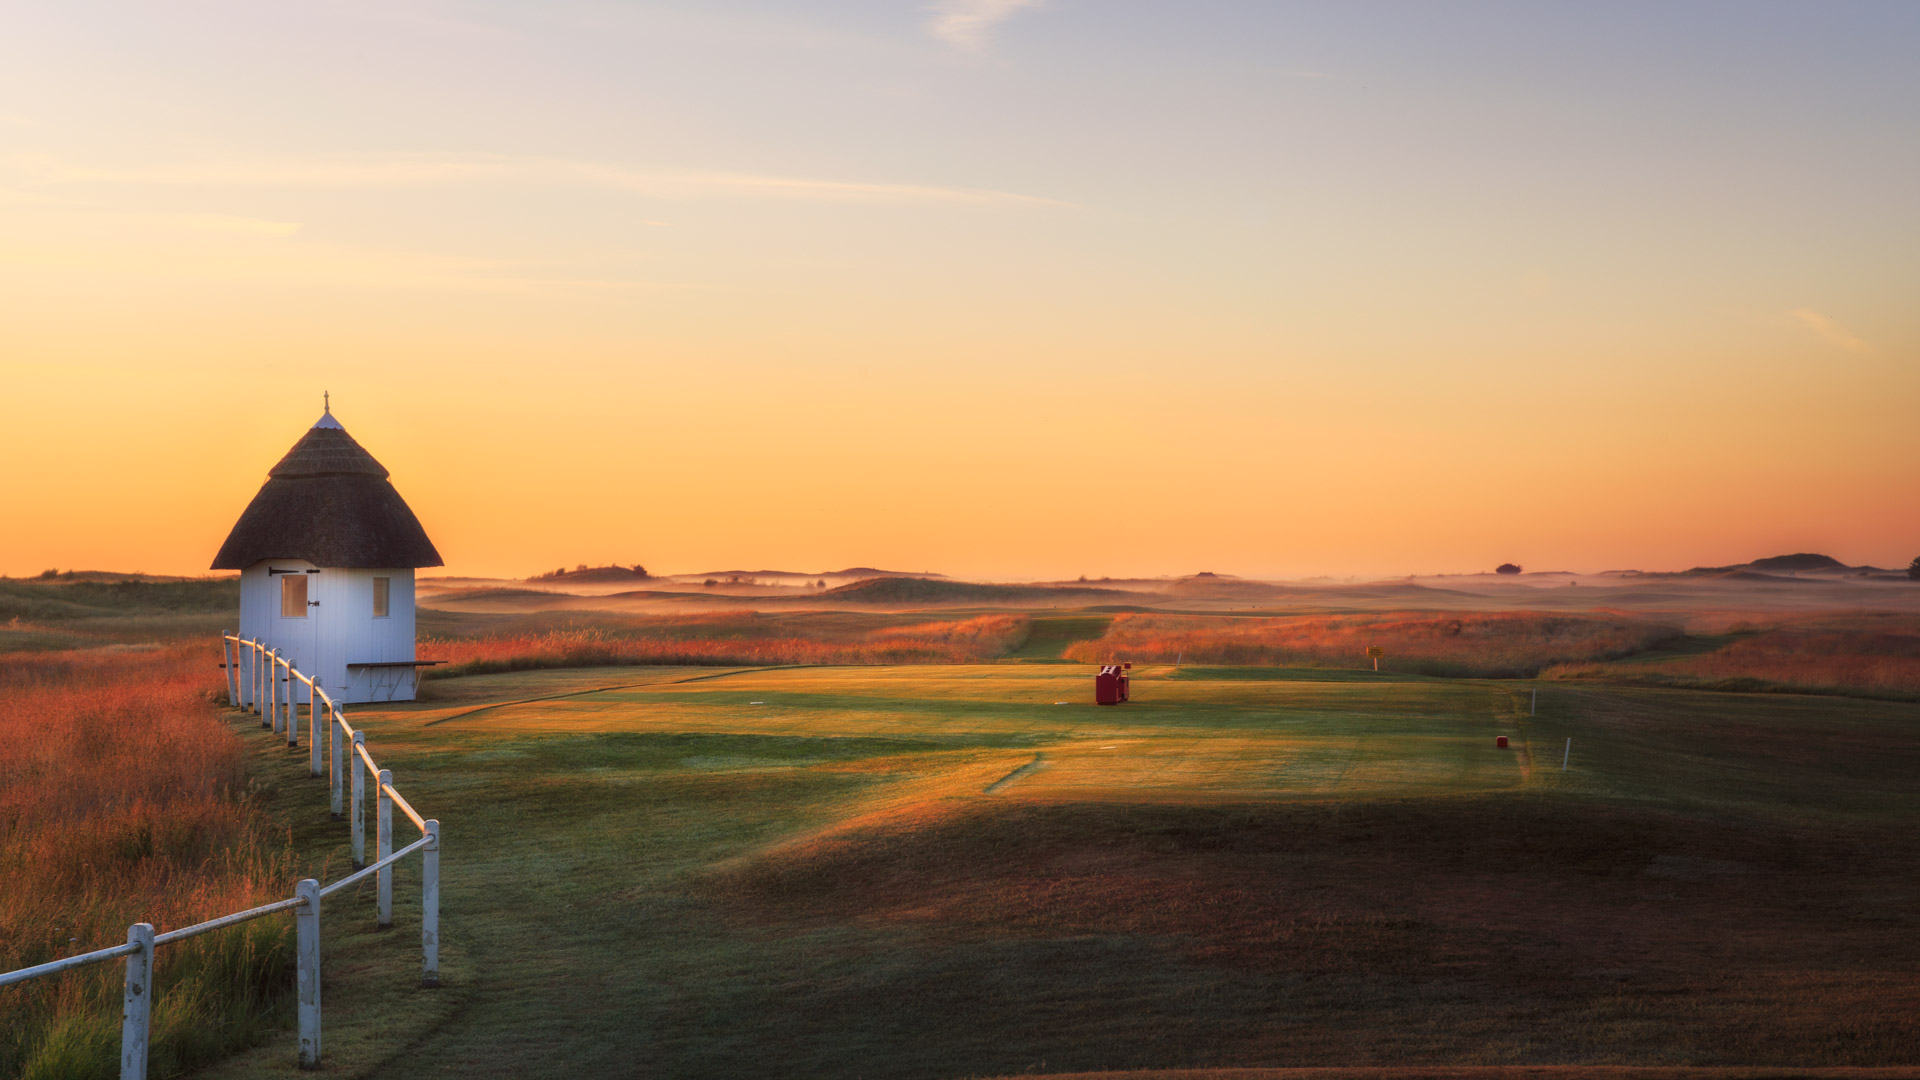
<point>328,502</point>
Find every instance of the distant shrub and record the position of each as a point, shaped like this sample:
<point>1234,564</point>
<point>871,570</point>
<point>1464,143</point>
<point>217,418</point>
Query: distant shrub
<point>1913,568</point>
<point>1507,568</point>
<point>611,572</point>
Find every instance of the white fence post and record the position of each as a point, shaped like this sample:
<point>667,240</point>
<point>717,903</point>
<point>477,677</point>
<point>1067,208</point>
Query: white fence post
<point>273,691</point>
<point>232,694</point>
<point>358,816</point>
<point>253,676</point>
<point>385,840</point>
<point>335,767</point>
<point>313,728</point>
<point>135,1020</point>
<point>306,920</point>
<point>430,906</point>
<point>289,710</point>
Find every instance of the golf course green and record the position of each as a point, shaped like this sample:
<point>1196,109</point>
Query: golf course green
<point>974,871</point>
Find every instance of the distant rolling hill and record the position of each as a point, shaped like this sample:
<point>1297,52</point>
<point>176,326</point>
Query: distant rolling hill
<point>897,591</point>
<point>849,572</point>
<point>1805,562</point>
<point>91,595</point>
<point>1802,561</point>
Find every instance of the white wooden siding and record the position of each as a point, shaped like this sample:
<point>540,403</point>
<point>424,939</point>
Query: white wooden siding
<point>338,632</point>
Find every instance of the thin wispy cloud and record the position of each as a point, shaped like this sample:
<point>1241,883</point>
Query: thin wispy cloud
<point>969,23</point>
<point>1836,335</point>
<point>416,171</point>
<point>257,251</point>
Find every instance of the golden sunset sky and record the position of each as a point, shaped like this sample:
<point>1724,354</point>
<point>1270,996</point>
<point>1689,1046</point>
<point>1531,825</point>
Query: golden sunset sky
<point>1000,288</point>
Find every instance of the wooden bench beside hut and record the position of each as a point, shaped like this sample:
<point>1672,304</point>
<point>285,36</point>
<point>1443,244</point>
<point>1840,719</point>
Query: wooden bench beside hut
<point>326,552</point>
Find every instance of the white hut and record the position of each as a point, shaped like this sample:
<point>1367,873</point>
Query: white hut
<point>326,553</point>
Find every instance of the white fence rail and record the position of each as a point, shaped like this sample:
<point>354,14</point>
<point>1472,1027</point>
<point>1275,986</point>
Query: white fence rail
<point>255,677</point>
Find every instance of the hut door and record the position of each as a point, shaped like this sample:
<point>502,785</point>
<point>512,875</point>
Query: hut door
<point>296,630</point>
<point>300,612</point>
<point>316,614</point>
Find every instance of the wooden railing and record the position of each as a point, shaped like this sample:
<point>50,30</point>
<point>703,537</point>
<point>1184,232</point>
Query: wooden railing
<point>255,676</point>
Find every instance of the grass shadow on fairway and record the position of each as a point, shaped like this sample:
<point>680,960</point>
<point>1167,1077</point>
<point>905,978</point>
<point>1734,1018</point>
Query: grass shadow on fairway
<point>1471,930</point>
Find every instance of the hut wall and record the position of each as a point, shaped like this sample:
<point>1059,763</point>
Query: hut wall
<point>367,639</point>
<point>341,631</point>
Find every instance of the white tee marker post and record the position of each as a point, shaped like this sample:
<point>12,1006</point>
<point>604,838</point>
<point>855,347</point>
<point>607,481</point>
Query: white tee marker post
<point>1565,754</point>
<point>1533,706</point>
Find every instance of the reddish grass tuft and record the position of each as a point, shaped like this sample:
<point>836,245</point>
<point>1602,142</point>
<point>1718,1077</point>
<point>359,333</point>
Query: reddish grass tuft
<point>122,800</point>
<point>742,638</point>
<point>1503,644</point>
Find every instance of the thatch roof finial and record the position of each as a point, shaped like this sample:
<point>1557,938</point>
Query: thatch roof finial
<point>326,413</point>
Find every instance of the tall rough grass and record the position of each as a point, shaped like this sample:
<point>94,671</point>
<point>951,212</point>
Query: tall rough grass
<point>1504,644</point>
<point>1866,656</point>
<point>123,799</point>
<point>725,640</point>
